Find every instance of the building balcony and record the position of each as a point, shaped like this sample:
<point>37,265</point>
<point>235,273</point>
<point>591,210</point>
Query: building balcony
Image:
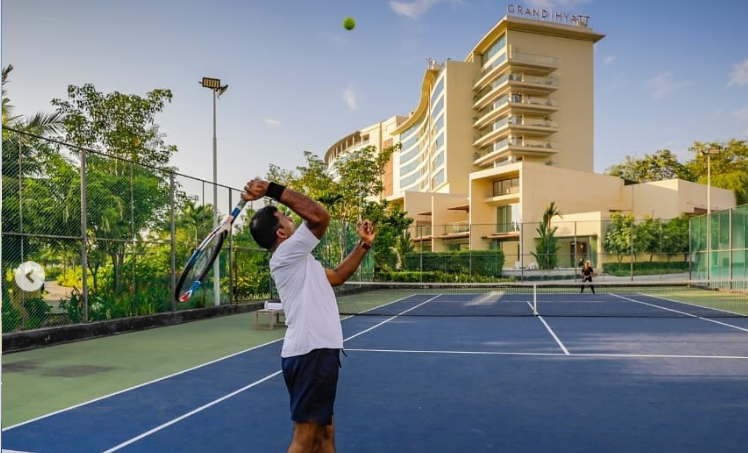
<point>421,232</point>
<point>516,102</point>
<point>517,83</point>
<point>514,146</point>
<point>520,62</point>
<point>454,230</point>
<point>515,125</point>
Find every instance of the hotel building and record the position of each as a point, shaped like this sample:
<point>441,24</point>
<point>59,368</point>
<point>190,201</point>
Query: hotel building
<point>497,137</point>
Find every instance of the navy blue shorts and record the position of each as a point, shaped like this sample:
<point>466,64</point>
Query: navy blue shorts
<point>312,382</point>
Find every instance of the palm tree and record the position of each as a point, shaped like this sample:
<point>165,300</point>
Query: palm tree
<point>547,246</point>
<point>39,124</point>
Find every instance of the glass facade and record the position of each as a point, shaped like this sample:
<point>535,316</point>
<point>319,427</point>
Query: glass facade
<point>725,256</point>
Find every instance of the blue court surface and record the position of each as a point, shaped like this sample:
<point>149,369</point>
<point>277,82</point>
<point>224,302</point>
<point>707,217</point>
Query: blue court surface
<point>448,384</point>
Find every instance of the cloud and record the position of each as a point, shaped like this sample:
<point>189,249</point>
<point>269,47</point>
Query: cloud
<point>664,84</point>
<point>350,97</point>
<point>272,122</point>
<point>417,8</point>
<point>739,74</point>
<point>609,60</point>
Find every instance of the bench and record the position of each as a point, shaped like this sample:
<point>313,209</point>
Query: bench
<point>274,311</point>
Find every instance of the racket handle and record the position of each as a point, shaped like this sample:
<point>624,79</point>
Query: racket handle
<point>238,208</point>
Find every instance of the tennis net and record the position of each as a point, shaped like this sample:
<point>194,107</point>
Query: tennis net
<point>681,299</point>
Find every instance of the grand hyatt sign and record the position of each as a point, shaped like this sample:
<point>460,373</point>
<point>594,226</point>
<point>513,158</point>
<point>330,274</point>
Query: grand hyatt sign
<point>547,14</point>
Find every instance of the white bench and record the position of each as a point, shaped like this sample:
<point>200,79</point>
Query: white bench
<point>274,311</point>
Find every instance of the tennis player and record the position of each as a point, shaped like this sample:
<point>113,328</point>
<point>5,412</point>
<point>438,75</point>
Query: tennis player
<point>310,356</point>
<point>587,273</point>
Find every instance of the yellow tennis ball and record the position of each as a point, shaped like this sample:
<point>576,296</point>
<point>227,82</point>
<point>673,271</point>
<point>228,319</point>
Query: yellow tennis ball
<point>349,23</point>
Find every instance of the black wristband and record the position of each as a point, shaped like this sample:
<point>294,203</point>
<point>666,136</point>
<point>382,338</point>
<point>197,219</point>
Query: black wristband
<point>275,191</point>
<point>364,245</point>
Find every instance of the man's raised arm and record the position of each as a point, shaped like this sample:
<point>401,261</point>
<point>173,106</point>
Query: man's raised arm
<point>314,214</point>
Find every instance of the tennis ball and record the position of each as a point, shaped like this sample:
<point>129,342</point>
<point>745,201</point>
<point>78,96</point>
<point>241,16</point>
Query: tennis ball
<point>349,23</point>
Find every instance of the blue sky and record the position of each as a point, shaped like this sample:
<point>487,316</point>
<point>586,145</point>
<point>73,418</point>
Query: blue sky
<point>666,74</point>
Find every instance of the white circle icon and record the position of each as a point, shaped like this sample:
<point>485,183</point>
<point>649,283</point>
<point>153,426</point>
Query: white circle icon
<point>29,276</point>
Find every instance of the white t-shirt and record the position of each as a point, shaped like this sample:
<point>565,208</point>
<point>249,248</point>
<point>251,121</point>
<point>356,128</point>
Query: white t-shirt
<point>307,297</point>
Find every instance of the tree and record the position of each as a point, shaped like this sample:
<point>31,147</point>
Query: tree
<point>547,245</point>
<point>675,237</point>
<point>649,237</point>
<point>620,235</point>
<point>348,198</point>
<point>360,179</point>
<point>729,167</point>
<point>123,198</point>
<point>662,165</point>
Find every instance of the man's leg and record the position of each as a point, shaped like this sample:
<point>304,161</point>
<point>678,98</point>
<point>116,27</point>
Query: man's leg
<point>307,438</point>
<point>328,439</point>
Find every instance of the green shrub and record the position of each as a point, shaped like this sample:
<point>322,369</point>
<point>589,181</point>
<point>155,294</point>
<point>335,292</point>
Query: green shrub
<point>486,263</point>
<point>645,268</point>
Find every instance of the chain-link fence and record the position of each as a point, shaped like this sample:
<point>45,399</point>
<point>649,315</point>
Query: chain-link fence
<point>617,248</point>
<point>111,236</point>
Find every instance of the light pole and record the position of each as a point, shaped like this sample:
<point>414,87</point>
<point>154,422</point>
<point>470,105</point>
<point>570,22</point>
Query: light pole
<point>708,153</point>
<point>218,90</point>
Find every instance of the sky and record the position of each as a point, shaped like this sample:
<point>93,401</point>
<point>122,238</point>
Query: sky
<point>667,73</point>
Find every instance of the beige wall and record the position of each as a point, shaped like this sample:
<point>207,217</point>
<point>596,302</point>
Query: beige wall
<point>459,124</point>
<point>443,217</point>
<point>575,113</point>
<point>572,191</point>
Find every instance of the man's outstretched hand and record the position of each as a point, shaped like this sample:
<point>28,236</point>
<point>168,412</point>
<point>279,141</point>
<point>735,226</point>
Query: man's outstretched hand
<point>366,231</point>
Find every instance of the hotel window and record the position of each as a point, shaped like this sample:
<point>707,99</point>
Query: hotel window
<point>437,90</point>
<point>438,160</point>
<point>437,108</point>
<point>495,48</point>
<point>507,218</point>
<point>505,187</point>
<point>439,142</point>
<point>438,179</point>
<point>439,124</point>
<point>405,169</point>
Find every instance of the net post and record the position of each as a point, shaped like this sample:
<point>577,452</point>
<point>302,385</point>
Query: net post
<point>535,299</point>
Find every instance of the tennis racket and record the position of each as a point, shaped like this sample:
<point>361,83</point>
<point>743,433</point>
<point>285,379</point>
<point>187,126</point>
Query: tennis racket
<point>202,259</point>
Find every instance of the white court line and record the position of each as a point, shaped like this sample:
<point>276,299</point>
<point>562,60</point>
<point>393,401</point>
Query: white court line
<point>139,385</point>
<point>190,413</point>
<point>391,318</point>
<point>201,408</point>
<point>236,392</point>
<point>683,313</point>
<point>149,382</point>
<point>694,305</point>
<point>553,334</point>
<point>556,354</point>
<point>14,451</point>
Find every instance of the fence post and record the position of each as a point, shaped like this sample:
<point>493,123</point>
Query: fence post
<point>231,250</point>
<point>133,254</point>
<point>84,239</point>
<point>521,251</point>
<point>172,241</point>
<point>575,262</point>
<point>632,255</point>
<point>730,243</point>
<point>20,226</point>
